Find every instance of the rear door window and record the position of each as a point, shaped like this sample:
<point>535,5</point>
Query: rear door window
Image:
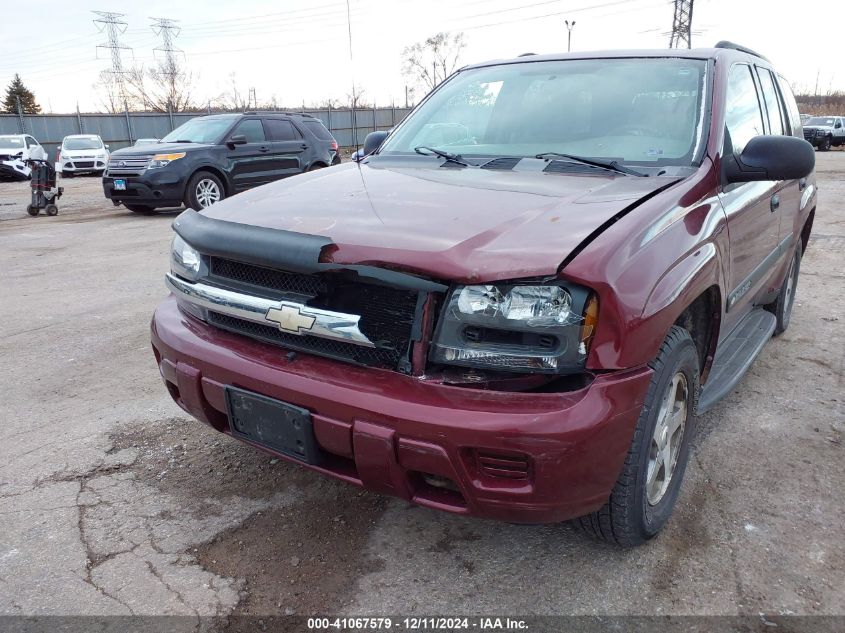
<point>281,130</point>
<point>770,97</point>
<point>794,117</point>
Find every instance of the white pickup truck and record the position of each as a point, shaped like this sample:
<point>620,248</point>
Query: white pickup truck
<point>825,132</point>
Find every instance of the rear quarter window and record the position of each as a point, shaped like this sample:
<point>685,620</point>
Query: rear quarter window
<point>319,130</point>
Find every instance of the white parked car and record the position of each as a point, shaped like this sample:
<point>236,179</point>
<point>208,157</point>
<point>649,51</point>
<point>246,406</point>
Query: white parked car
<point>14,150</point>
<point>82,154</point>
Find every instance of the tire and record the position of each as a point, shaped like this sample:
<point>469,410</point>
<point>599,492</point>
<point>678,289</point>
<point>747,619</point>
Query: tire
<point>316,166</point>
<point>67,174</point>
<point>51,209</point>
<point>33,211</point>
<point>140,209</point>
<point>825,144</point>
<point>782,306</point>
<point>203,190</point>
<point>639,505</point>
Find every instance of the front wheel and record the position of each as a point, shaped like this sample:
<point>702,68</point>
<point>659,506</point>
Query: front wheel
<point>824,145</point>
<point>67,174</point>
<point>645,493</point>
<point>204,189</point>
<point>32,210</point>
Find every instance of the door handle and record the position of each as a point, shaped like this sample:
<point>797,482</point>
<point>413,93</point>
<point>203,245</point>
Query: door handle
<point>263,148</point>
<point>303,146</point>
<point>775,203</point>
<point>802,184</point>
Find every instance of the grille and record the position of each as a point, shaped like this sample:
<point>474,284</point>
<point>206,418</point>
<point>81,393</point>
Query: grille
<point>83,163</point>
<point>129,165</point>
<point>387,314</point>
<point>571,167</point>
<point>266,278</point>
<point>506,162</point>
<point>503,466</point>
<point>808,134</point>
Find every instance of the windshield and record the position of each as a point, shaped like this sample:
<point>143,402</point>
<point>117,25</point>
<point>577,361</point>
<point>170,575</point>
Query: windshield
<point>199,131</point>
<point>88,142</point>
<point>643,110</point>
<point>11,142</point>
<point>820,120</point>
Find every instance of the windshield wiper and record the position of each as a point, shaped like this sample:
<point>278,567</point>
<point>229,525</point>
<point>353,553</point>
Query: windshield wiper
<point>610,165</point>
<point>448,156</point>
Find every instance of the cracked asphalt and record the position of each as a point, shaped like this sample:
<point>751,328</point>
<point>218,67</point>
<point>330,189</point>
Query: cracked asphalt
<point>113,502</point>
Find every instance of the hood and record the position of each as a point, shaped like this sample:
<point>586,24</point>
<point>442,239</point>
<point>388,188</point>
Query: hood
<point>460,224</point>
<point>159,148</point>
<point>826,128</point>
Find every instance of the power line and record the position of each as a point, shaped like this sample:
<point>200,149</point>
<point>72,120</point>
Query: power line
<point>114,26</point>
<point>681,25</point>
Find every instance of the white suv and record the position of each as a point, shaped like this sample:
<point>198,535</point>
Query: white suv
<point>15,149</point>
<point>82,153</point>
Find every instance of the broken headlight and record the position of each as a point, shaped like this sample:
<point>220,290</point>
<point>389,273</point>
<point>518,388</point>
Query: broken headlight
<point>185,261</point>
<point>517,327</point>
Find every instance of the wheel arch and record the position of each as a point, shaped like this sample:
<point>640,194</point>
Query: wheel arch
<point>212,169</point>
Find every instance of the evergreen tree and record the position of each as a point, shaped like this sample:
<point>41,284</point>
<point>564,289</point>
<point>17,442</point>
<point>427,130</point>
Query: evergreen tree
<point>15,91</point>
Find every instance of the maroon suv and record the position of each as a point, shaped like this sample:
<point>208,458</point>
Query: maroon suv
<point>516,304</point>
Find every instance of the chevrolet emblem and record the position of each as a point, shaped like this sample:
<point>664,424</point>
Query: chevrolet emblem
<point>290,318</point>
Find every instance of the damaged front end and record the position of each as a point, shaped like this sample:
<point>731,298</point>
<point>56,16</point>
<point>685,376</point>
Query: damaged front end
<point>282,288</point>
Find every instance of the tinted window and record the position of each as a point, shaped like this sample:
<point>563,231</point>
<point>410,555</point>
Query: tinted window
<point>770,97</point>
<point>791,107</point>
<point>742,109</point>
<point>252,130</point>
<point>319,130</point>
<point>281,130</point>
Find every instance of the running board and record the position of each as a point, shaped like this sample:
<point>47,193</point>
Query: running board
<point>735,355</point>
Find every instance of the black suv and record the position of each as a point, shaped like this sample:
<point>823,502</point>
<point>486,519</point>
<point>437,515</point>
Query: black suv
<point>212,157</point>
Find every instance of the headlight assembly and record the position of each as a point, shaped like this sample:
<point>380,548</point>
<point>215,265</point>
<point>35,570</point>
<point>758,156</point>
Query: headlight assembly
<point>163,160</point>
<point>185,261</point>
<point>517,327</point>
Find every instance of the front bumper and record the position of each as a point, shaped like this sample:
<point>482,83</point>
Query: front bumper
<point>156,189</point>
<point>86,166</point>
<point>391,433</point>
<point>10,171</point>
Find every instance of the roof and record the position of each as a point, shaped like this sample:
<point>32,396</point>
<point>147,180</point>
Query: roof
<point>234,115</point>
<point>682,53</point>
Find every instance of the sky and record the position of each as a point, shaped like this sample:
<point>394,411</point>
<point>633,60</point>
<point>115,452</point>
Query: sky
<point>298,52</point>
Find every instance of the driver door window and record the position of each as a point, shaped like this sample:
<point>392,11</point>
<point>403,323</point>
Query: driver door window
<point>252,130</point>
<point>743,118</point>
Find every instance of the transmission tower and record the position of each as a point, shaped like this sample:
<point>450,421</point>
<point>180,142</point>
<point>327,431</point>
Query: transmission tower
<point>168,31</point>
<point>113,25</point>
<point>682,25</point>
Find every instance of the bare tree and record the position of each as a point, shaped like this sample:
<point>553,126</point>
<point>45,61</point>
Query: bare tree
<point>425,64</point>
<point>108,92</point>
<point>358,98</point>
<point>165,87</point>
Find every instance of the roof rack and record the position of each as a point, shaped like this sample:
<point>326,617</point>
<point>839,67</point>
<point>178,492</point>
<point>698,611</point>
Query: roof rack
<point>737,47</point>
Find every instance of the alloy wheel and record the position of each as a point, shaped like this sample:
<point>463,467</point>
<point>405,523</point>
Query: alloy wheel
<point>207,192</point>
<point>667,438</point>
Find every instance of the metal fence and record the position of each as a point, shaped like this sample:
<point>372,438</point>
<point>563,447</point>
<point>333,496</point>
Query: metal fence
<point>349,127</point>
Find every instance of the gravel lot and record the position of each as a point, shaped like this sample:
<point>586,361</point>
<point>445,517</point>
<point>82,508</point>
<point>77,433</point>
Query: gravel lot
<point>113,502</point>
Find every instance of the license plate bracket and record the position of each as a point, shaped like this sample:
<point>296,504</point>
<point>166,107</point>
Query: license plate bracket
<point>119,184</point>
<point>276,425</point>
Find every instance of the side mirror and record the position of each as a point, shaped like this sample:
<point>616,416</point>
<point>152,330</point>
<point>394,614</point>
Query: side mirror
<point>838,125</point>
<point>237,139</point>
<point>771,158</point>
<point>373,142</point>
<point>106,146</point>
